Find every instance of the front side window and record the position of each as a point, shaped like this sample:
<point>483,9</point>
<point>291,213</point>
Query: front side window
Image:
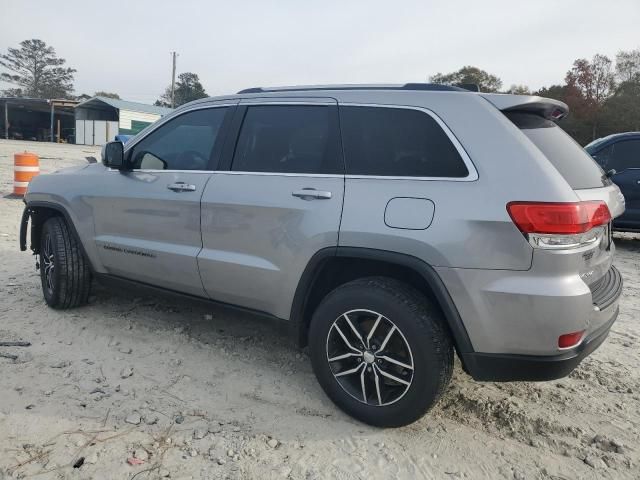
<point>397,142</point>
<point>626,154</point>
<point>183,143</point>
<point>287,139</point>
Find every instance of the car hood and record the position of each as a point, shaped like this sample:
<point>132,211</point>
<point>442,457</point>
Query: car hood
<point>75,168</point>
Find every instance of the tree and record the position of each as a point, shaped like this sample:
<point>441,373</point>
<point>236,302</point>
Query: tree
<point>557,92</point>
<point>621,112</point>
<point>469,75</point>
<point>107,95</point>
<point>37,71</point>
<point>188,88</point>
<point>628,65</point>
<point>589,84</point>
<point>519,90</point>
<point>574,124</point>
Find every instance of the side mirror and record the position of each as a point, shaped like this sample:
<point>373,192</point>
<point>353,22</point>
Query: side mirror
<point>113,155</point>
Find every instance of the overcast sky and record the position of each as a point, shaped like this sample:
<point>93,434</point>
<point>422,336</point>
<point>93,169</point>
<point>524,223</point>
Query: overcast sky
<point>123,46</point>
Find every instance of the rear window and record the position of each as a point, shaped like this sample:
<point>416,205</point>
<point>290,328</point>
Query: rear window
<point>398,142</point>
<point>577,167</point>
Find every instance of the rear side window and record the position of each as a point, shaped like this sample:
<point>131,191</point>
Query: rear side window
<point>397,142</point>
<point>288,139</point>
<point>577,167</point>
<point>626,154</point>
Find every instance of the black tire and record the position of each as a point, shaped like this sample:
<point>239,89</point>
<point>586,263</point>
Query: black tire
<point>422,329</point>
<point>65,276</point>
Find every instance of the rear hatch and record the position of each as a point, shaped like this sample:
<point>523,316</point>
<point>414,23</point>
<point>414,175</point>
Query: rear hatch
<point>536,117</point>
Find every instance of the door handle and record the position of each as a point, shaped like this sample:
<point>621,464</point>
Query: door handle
<point>311,194</point>
<point>181,187</point>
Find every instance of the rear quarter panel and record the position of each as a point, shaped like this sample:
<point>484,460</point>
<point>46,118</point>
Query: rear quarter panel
<point>471,227</point>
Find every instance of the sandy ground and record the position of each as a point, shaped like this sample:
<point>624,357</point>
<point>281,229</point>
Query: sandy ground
<point>189,391</point>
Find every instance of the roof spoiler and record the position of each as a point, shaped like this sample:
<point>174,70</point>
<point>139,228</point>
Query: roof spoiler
<point>546,107</point>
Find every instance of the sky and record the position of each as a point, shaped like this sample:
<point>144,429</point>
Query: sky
<point>124,46</point>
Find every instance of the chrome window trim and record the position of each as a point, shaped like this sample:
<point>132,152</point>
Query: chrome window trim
<point>281,174</point>
<point>321,101</point>
<point>471,168</point>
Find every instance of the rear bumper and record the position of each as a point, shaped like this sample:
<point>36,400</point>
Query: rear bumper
<point>507,367</point>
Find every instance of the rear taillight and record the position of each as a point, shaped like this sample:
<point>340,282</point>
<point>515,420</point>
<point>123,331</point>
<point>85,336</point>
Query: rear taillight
<point>560,225</point>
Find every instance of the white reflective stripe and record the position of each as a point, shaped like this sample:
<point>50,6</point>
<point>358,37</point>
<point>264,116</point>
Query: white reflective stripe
<point>20,184</point>
<point>26,169</point>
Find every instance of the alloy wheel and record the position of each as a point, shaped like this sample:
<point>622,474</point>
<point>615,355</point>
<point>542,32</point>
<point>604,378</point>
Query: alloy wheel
<point>369,357</point>
<point>48,262</point>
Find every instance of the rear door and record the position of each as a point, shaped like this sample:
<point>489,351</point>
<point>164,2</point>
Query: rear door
<point>625,160</point>
<point>147,220</point>
<point>277,203</point>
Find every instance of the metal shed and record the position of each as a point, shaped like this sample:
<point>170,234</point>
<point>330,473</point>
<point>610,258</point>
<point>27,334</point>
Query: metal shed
<point>100,119</point>
<point>37,119</point>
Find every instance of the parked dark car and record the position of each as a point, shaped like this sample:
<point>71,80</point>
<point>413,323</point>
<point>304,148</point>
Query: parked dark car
<point>123,138</point>
<point>621,152</point>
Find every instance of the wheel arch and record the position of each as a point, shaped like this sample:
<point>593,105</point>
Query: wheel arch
<point>37,213</point>
<point>334,266</point>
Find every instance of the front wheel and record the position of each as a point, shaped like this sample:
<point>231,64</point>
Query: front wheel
<point>380,351</point>
<point>64,271</point>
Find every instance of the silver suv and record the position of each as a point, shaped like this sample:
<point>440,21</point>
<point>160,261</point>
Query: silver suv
<point>388,225</point>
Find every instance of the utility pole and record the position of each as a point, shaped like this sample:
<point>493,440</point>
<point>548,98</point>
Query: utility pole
<point>173,80</point>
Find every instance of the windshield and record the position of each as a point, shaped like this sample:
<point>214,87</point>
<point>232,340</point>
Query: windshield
<point>592,146</point>
<point>577,167</point>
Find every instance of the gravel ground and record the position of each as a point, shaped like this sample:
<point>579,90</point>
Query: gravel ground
<point>151,387</point>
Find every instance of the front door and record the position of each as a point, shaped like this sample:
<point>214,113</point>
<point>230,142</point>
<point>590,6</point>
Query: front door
<point>147,220</point>
<point>278,203</point>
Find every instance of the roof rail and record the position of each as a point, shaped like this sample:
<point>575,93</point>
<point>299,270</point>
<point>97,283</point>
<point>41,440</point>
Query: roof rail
<point>434,87</point>
<point>472,87</point>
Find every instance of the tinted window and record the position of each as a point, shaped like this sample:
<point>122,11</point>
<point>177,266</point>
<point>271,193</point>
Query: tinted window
<point>625,155</point>
<point>577,167</point>
<point>287,139</point>
<point>603,157</point>
<point>397,142</point>
<point>184,143</point>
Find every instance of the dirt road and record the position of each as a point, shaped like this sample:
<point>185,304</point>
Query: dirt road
<point>186,391</point>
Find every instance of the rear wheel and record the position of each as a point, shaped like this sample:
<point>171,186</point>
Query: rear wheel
<point>380,351</point>
<point>64,272</point>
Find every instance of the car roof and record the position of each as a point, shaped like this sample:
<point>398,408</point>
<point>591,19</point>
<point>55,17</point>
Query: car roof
<point>546,107</point>
<point>609,139</point>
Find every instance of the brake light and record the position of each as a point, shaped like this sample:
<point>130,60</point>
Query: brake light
<point>561,225</point>
<point>558,218</point>
<point>569,340</point>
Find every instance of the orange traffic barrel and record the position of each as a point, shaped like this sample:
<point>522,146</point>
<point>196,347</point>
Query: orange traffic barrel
<point>25,166</point>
